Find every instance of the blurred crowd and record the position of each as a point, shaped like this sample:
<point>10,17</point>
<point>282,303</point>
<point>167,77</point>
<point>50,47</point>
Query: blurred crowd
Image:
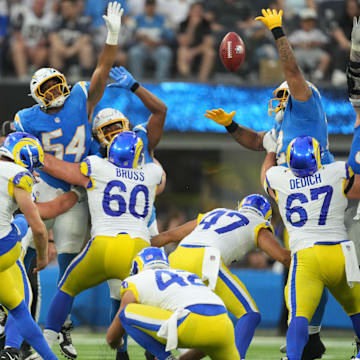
<point>174,39</point>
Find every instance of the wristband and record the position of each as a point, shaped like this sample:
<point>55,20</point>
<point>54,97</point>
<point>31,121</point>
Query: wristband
<point>112,38</point>
<point>51,241</point>
<point>232,127</point>
<point>134,87</point>
<point>277,32</point>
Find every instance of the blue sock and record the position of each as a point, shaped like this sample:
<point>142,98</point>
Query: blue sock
<point>29,257</point>
<point>115,305</point>
<point>60,308</point>
<point>244,331</point>
<point>296,337</point>
<point>320,310</point>
<point>64,260</point>
<point>12,335</point>
<point>356,325</point>
<point>143,339</point>
<point>30,331</point>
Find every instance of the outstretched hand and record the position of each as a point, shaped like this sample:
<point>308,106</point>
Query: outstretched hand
<point>113,22</point>
<point>122,77</point>
<point>220,116</point>
<point>271,19</point>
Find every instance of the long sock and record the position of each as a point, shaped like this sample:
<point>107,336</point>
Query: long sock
<point>319,312</point>
<point>244,331</point>
<point>30,331</point>
<point>296,337</point>
<point>64,260</point>
<point>143,339</point>
<point>356,325</point>
<point>13,337</point>
<point>59,309</point>
<point>115,305</point>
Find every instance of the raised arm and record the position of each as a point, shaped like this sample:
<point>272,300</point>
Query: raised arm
<point>40,235</point>
<point>246,137</point>
<point>269,161</point>
<point>268,243</point>
<point>299,88</point>
<point>64,170</point>
<point>174,235</point>
<point>156,106</point>
<point>107,56</point>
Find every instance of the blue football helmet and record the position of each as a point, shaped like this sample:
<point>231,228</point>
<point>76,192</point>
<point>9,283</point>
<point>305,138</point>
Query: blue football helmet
<point>303,156</point>
<point>258,203</point>
<point>126,150</point>
<point>24,149</point>
<point>149,258</point>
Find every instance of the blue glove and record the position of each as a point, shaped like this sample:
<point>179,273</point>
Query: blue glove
<point>122,77</point>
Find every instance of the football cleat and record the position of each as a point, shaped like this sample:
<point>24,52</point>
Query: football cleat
<point>25,351</point>
<point>66,346</point>
<point>314,348</point>
<point>149,356</point>
<point>10,353</point>
<point>122,355</point>
<point>3,318</point>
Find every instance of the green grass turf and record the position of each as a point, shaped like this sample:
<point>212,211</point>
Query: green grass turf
<point>93,347</point>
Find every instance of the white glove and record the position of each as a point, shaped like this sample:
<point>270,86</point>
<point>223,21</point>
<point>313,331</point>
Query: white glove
<point>79,191</point>
<point>355,34</point>
<point>113,22</point>
<point>269,141</point>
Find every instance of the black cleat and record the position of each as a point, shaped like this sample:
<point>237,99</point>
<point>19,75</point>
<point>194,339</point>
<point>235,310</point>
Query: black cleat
<point>314,349</point>
<point>122,355</point>
<point>25,351</point>
<point>9,353</point>
<point>66,346</point>
<point>149,356</point>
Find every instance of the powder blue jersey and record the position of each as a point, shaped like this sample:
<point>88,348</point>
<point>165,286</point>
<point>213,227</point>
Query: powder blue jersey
<point>303,118</point>
<point>66,134</point>
<point>354,157</point>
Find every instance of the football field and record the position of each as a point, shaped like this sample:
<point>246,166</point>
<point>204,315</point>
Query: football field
<point>93,347</point>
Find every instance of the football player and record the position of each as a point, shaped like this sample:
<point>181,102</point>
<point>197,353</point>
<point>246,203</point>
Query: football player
<point>227,235</point>
<point>14,150</point>
<point>107,123</point>
<point>120,196</point>
<point>312,199</point>
<point>61,122</point>
<point>162,308</point>
<point>298,111</point>
<point>20,154</point>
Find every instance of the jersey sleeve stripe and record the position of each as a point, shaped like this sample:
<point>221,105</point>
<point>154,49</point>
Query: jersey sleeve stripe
<point>83,86</point>
<point>18,122</point>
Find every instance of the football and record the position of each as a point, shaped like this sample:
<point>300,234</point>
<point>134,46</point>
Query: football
<point>232,51</point>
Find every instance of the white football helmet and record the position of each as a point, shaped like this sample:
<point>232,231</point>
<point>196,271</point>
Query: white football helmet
<point>277,104</point>
<point>105,118</point>
<point>45,98</point>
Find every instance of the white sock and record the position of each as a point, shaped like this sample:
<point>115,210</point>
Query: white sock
<point>314,329</point>
<point>50,337</point>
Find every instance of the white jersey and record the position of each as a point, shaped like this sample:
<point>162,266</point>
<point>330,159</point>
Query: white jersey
<point>169,289</point>
<point>233,232</point>
<point>120,199</point>
<point>11,175</point>
<point>312,207</point>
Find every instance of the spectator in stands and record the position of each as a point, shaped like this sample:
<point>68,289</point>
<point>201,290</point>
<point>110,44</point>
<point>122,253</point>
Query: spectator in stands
<point>175,11</point>
<point>4,21</point>
<point>341,32</point>
<point>29,47</point>
<point>152,40</point>
<point>196,44</point>
<point>308,43</point>
<point>70,41</point>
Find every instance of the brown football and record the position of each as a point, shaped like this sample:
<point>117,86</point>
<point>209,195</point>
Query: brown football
<point>232,51</point>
